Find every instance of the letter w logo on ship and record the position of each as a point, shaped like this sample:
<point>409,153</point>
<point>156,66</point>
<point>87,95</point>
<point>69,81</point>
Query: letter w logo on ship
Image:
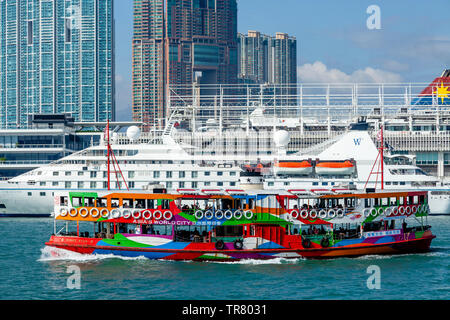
<point>357,141</point>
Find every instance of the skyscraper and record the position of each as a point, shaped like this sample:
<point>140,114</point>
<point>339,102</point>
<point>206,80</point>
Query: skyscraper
<point>56,56</point>
<point>174,42</point>
<point>267,59</point>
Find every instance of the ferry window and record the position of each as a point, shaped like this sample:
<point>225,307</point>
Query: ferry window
<point>402,183</point>
<point>68,173</point>
<point>163,230</point>
<point>68,184</point>
<point>29,194</point>
<point>367,203</point>
<point>126,203</point>
<point>101,202</point>
<point>385,201</point>
<point>315,183</point>
<point>55,173</point>
<point>55,183</point>
<point>165,204</point>
<point>93,184</point>
<point>182,174</point>
<point>64,201</point>
<point>151,203</point>
<point>194,174</point>
<point>207,173</point>
<point>80,173</point>
<point>401,201</point>
<point>115,203</point>
<point>232,184</point>
<point>168,174</point>
<point>89,202</point>
<point>232,173</point>
<point>220,184</point>
<point>76,202</point>
<point>229,231</point>
<point>181,184</point>
<point>139,203</point>
<point>93,174</point>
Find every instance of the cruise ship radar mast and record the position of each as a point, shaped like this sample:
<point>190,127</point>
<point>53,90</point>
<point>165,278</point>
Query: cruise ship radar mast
<point>379,160</point>
<point>110,155</point>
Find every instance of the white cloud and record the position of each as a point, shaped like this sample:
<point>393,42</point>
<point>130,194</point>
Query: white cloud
<point>319,73</point>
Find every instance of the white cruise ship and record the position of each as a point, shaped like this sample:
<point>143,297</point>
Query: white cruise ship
<point>175,166</point>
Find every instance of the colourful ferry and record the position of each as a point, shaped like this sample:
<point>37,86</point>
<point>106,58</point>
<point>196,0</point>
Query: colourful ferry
<point>230,225</point>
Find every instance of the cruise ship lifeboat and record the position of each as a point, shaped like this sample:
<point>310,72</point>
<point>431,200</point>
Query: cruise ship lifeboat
<point>293,168</point>
<point>335,168</point>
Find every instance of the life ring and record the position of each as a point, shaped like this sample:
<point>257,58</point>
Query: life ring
<point>366,212</point>
<point>209,215</point>
<point>102,213</point>
<point>238,214</point>
<point>373,212</point>
<point>219,214</point>
<point>83,212</point>
<point>313,214</point>
<point>126,214</point>
<point>157,215</point>
<point>422,208</point>
<point>228,215</point>
<point>380,211</point>
<point>115,213</point>
<point>198,214</point>
<point>322,214</point>
<point>238,244</point>
<point>331,214</point>
<point>63,212</point>
<point>408,210</point>
<point>248,214</point>
<point>304,214</point>
<point>96,214</point>
<point>340,213</point>
<point>147,214</point>
<point>168,215</point>
<point>294,214</point>
<point>306,243</point>
<point>395,211</point>
<point>401,210</point>
<point>220,245</point>
<point>136,214</point>
<point>73,212</point>
<point>325,242</point>
<point>414,209</point>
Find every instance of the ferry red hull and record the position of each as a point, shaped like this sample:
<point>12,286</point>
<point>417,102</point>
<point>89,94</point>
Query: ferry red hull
<point>206,251</point>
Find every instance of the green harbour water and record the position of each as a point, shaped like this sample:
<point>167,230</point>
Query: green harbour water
<point>29,271</point>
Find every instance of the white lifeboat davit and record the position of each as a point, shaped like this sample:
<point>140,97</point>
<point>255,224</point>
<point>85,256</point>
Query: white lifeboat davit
<point>335,167</point>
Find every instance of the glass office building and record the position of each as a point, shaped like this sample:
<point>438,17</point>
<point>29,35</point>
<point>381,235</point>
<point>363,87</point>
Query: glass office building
<point>56,56</point>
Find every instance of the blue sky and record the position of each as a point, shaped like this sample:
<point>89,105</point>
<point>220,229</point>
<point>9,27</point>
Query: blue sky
<point>334,43</point>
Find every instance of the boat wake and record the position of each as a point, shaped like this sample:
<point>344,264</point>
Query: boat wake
<point>57,254</point>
